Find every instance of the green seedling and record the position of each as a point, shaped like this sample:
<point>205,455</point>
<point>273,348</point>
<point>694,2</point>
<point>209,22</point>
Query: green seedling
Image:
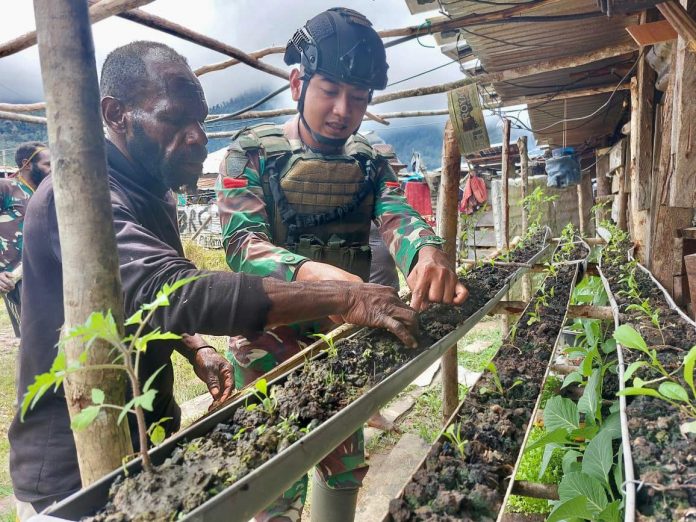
<point>453,434</point>
<point>331,351</point>
<point>101,328</point>
<point>267,402</point>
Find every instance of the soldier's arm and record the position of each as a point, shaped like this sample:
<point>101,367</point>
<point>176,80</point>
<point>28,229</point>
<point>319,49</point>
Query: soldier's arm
<point>246,232</point>
<point>403,229</point>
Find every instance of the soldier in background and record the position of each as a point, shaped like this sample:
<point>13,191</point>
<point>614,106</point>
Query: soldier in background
<point>34,162</point>
<point>296,203</point>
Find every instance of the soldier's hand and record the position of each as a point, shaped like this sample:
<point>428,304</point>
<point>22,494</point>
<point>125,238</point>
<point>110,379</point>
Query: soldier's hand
<point>433,281</point>
<point>7,282</point>
<point>215,371</point>
<point>379,306</point>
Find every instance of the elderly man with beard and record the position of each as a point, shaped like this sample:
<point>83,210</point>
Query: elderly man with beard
<point>153,107</point>
<point>34,162</point>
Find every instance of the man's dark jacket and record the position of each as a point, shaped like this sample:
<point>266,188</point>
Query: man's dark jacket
<point>43,460</point>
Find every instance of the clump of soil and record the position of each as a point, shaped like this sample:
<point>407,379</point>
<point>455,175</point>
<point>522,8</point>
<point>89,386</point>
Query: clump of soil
<point>201,468</point>
<point>664,459</point>
<point>493,420</point>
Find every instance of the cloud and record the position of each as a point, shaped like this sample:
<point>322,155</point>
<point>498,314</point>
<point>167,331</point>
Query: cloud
<point>246,24</point>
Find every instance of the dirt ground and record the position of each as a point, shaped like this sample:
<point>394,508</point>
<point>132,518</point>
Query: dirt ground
<point>8,354</point>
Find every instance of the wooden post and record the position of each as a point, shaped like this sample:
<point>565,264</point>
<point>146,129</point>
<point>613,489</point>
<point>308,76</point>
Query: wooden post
<point>524,190</point>
<point>447,229</point>
<point>91,280</point>
<point>505,183</point>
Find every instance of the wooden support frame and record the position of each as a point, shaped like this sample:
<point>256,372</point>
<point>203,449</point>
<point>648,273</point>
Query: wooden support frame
<point>505,181</point>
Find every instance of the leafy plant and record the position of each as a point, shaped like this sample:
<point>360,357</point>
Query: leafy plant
<point>331,350</point>
<point>534,205</point>
<point>670,389</point>
<point>128,352</point>
<point>453,433</point>
<point>267,401</point>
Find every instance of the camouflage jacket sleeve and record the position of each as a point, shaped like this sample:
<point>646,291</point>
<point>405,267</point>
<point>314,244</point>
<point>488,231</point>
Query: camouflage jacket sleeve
<point>246,233</point>
<point>403,229</point>
<point>12,206</point>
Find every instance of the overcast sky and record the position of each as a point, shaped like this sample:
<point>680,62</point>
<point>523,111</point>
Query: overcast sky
<point>246,24</point>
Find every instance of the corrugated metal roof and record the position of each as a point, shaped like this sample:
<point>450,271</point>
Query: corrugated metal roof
<point>505,46</point>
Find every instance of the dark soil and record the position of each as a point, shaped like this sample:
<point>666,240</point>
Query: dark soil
<point>493,420</point>
<point>203,467</point>
<point>664,459</point>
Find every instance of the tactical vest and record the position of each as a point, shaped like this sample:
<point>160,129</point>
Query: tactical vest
<point>320,206</point>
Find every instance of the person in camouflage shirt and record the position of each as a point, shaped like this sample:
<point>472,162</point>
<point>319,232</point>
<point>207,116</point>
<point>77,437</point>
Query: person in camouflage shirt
<point>296,204</point>
<point>34,162</point>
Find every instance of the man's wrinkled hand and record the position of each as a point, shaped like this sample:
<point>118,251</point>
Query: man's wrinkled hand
<point>216,372</point>
<point>379,306</point>
<point>7,282</point>
<point>315,271</point>
<point>433,281</point>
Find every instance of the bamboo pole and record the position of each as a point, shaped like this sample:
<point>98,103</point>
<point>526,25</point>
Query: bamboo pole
<point>91,280</point>
<point>566,62</point>
<point>22,107</point>
<point>97,12</point>
<point>205,69</point>
<point>447,229</point>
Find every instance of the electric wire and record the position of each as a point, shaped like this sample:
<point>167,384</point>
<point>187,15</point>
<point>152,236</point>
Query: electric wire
<point>252,106</point>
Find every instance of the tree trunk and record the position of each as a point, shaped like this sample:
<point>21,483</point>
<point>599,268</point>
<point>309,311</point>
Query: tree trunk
<point>524,190</point>
<point>447,228</point>
<point>91,280</point>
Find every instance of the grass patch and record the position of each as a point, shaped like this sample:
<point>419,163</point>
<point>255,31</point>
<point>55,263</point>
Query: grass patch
<point>8,363</point>
<point>485,331</point>
<point>205,258</point>
<point>530,465</point>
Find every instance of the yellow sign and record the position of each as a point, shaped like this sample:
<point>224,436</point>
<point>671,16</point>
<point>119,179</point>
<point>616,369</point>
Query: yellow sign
<point>467,119</point>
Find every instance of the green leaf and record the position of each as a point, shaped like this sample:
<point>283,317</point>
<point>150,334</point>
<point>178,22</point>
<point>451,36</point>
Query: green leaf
<point>618,470</point>
<point>632,369</point>
<point>611,513</point>
<point>125,410</point>
<point>599,457</point>
<point>612,426</point>
<point>97,396</point>
<point>571,378</point>
<point>578,484</point>
<point>638,383</point>
<point>548,453</point>
<point>586,364</point>
<point>609,346</point>
<point>674,391</point>
<point>561,413</point>
<point>689,363</point>
<point>262,387</point>
<point>152,378</point>
<point>559,436</point>
<point>136,318</point>
<point>570,462</point>
<point>627,336</point>
<point>155,335</point>
<point>84,418</point>
<point>586,433</point>
<point>640,391</point>
<point>145,400</point>
<point>570,509</point>
<point>157,435</point>
<point>590,402</point>
<point>688,427</point>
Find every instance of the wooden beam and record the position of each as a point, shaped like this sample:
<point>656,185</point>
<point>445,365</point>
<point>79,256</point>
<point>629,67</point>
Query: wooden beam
<point>524,190</point>
<point>447,229</point>
<point>165,26</point>
<point>682,191</point>
<point>505,182</point>
<point>17,116</point>
<point>566,62</point>
<point>22,107</point>
<point>682,22</point>
<point>97,12</point>
<point>205,69</point>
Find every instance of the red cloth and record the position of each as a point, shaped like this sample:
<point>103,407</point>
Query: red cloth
<point>418,196</point>
<point>475,194</point>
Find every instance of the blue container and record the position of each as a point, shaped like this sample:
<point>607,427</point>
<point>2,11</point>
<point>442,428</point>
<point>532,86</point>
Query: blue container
<point>563,170</point>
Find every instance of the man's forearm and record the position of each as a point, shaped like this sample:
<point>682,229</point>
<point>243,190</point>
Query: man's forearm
<point>299,301</point>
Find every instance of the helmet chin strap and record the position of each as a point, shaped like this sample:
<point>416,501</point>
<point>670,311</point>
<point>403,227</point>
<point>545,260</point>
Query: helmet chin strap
<point>319,138</point>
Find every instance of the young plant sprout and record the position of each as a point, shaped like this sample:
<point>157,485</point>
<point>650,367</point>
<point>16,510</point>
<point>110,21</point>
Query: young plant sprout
<point>331,351</point>
<point>454,435</point>
<point>267,402</point>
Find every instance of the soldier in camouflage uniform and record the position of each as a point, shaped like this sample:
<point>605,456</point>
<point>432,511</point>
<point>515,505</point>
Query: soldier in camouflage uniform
<point>296,203</point>
<point>34,162</point>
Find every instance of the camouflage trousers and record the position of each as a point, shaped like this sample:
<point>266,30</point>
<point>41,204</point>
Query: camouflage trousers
<point>343,468</point>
